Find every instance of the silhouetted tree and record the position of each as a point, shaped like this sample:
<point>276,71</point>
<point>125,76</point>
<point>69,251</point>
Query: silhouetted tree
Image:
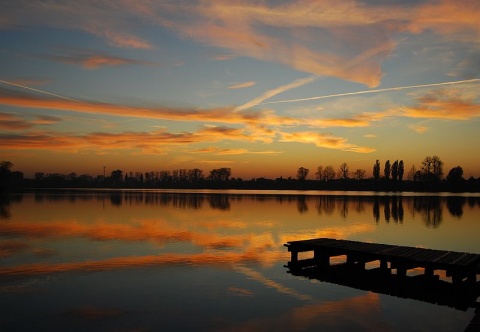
<point>302,173</point>
<point>359,174</point>
<point>319,173</point>
<point>401,170</point>
<point>455,175</point>
<point>376,170</point>
<point>387,170</point>
<point>5,167</point>
<point>343,171</point>
<point>220,174</point>
<point>5,172</point>
<point>329,173</point>
<point>116,177</point>
<point>395,170</point>
<point>195,175</point>
<point>432,169</point>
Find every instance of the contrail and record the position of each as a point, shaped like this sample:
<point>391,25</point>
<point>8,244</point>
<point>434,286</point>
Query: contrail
<point>371,91</point>
<point>45,92</point>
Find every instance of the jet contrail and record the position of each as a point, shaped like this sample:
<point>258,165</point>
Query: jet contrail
<point>45,92</point>
<point>370,91</point>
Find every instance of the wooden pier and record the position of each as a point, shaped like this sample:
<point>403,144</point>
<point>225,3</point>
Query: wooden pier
<point>461,267</point>
<point>461,293</point>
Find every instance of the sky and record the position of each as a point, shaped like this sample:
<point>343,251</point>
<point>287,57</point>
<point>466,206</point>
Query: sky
<point>261,87</point>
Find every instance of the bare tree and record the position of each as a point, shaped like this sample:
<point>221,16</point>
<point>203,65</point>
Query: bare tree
<point>329,173</point>
<point>432,168</point>
<point>319,173</point>
<point>359,174</point>
<point>343,171</point>
<point>302,173</point>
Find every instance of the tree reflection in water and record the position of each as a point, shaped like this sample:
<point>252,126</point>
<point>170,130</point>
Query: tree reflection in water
<point>386,207</point>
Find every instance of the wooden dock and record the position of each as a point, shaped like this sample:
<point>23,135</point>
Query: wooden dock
<point>461,267</point>
<point>461,293</point>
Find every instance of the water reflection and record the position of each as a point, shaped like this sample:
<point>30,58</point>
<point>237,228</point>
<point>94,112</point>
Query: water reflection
<point>384,208</point>
<point>421,288</point>
<point>154,249</point>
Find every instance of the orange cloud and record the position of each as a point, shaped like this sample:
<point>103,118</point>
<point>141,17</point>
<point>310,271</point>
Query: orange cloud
<point>216,115</point>
<point>219,151</point>
<point>242,28</point>
<point>94,60</point>
<point>324,141</point>
<point>419,128</point>
<point>438,107</point>
<point>148,142</point>
<point>438,17</point>
<point>242,85</point>
<point>296,33</point>
<point>12,122</point>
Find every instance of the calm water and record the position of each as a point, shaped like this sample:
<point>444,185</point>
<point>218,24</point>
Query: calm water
<point>211,260</point>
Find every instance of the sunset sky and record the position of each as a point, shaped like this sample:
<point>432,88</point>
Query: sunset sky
<point>262,87</point>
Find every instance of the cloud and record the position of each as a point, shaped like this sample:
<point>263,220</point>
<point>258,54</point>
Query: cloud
<point>89,59</point>
<point>224,57</point>
<point>437,16</point>
<point>324,141</point>
<point>218,151</point>
<point>46,120</point>
<point>418,128</point>
<point>443,104</point>
<point>241,85</point>
<point>147,142</point>
<point>215,115</point>
<point>13,122</point>
<point>111,20</point>
<point>343,39</point>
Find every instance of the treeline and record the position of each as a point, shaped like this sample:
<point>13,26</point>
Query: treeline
<point>390,177</point>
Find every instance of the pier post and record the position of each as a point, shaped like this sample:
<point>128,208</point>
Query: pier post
<point>322,259</point>
<point>383,264</point>
<point>294,257</point>
<point>401,272</point>
<point>472,278</point>
<point>429,272</point>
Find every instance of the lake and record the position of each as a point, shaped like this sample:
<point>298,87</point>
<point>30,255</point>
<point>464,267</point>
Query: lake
<point>130,260</point>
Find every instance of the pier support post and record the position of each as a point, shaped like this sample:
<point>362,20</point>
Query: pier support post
<point>322,259</point>
<point>472,278</point>
<point>457,278</point>
<point>383,264</point>
<point>401,272</point>
<point>429,272</point>
<point>294,257</point>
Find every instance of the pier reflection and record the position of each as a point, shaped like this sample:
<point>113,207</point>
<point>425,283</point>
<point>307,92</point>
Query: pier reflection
<point>378,280</point>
